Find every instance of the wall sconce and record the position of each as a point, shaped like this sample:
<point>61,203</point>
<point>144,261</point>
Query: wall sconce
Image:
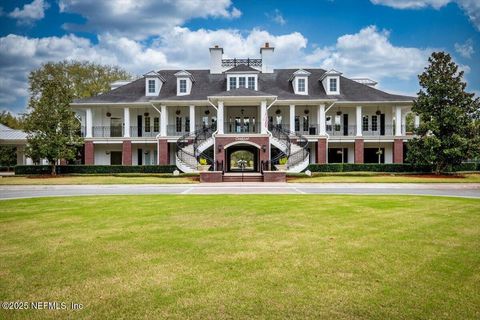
<point>146,114</point>
<point>109,114</point>
<point>146,152</point>
<point>278,111</point>
<point>220,147</point>
<point>264,148</point>
<point>306,111</point>
<point>178,112</point>
<point>107,152</point>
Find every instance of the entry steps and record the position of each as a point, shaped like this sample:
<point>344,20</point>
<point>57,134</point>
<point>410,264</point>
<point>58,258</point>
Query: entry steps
<point>242,177</point>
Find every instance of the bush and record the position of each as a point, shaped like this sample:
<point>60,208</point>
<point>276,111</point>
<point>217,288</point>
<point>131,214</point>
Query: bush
<point>372,167</point>
<point>466,166</point>
<point>95,169</point>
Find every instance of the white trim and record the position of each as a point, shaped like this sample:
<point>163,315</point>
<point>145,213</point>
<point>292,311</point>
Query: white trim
<point>241,142</point>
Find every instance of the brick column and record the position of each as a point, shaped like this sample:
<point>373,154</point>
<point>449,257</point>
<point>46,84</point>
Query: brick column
<point>127,153</point>
<point>89,153</point>
<point>163,155</point>
<point>322,150</point>
<point>398,151</point>
<point>358,150</point>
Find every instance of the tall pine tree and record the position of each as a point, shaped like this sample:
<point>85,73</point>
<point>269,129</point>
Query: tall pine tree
<point>448,132</point>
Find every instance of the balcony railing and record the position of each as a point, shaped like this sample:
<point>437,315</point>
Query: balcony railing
<point>136,132</point>
<point>232,127</point>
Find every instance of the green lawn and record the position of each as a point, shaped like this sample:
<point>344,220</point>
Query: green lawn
<point>373,177</point>
<point>98,179</point>
<point>243,257</point>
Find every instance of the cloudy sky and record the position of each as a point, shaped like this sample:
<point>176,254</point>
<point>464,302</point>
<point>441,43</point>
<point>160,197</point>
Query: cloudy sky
<point>386,40</point>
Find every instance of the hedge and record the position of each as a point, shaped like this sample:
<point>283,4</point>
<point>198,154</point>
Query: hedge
<point>386,167</point>
<point>95,169</point>
<point>6,168</point>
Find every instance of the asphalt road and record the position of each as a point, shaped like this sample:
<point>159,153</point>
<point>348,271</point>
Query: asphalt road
<point>468,190</point>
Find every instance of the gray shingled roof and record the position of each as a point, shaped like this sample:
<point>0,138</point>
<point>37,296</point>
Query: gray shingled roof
<point>275,84</point>
<point>241,68</point>
<point>9,134</point>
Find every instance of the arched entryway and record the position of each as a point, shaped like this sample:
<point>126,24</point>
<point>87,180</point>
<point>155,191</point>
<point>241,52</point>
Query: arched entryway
<point>242,158</point>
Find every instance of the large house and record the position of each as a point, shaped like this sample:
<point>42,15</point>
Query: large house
<point>243,114</point>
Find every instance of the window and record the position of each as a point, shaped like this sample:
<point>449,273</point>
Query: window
<point>251,83</point>
<point>183,86</point>
<point>147,124</point>
<point>301,85</point>
<point>333,85</point>
<point>241,82</point>
<point>187,124</point>
<point>233,83</point>
<point>178,124</point>
<point>305,123</point>
<point>328,122</point>
<point>365,123</point>
<point>338,123</point>
<point>156,124</point>
<point>374,123</point>
<point>151,86</point>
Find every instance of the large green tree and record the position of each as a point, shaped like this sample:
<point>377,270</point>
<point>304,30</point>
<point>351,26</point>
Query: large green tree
<point>53,130</point>
<point>448,131</point>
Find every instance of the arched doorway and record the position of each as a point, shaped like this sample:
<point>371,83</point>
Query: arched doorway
<point>242,158</point>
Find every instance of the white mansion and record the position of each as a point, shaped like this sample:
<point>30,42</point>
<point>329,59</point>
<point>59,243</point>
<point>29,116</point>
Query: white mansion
<point>244,109</point>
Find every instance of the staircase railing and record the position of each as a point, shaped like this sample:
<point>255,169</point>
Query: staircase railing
<point>283,137</point>
<point>300,155</point>
<point>195,139</point>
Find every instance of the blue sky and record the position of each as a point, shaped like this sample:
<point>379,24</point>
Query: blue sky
<point>386,40</point>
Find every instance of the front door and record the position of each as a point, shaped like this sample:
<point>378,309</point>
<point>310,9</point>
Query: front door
<point>116,125</point>
<point>116,157</point>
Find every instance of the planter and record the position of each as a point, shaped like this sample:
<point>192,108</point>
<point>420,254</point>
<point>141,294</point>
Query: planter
<point>281,167</point>
<point>203,167</point>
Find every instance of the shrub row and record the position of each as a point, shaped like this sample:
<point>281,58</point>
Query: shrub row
<point>6,168</point>
<point>385,167</point>
<point>95,169</point>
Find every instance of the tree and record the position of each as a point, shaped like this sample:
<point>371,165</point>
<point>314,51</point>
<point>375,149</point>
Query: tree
<point>11,121</point>
<point>53,130</point>
<point>448,131</point>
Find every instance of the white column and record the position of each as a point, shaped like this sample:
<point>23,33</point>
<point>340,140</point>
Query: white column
<point>192,119</point>
<point>321,120</point>
<point>359,121</point>
<point>398,121</point>
<point>292,118</point>
<point>417,121</point>
<point>404,122</point>
<point>163,120</point>
<point>88,124</point>
<point>220,118</point>
<point>126,121</point>
<point>263,117</point>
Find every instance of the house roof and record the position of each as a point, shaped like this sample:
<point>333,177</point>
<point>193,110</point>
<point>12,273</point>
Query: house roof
<point>7,133</point>
<point>272,84</point>
<point>241,68</point>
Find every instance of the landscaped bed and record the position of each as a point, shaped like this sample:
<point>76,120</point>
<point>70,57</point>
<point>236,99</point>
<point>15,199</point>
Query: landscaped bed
<point>282,256</point>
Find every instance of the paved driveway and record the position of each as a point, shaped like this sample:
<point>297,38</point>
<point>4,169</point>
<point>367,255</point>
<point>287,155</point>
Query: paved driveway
<point>470,190</point>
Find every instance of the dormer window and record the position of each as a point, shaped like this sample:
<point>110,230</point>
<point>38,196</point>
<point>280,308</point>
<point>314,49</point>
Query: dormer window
<point>153,83</point>
<point>151,86</point>
<point>251,83</point>
<point>184,82</point>
<point>242,76</point>
<point>233,82</point>
<point>299,81</point>
<point>241,82</point>
<point>183,86</point>
<point>331,82</point>
<point>301,85</point>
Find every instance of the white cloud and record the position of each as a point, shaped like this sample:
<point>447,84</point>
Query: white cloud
<point>465,50</point>
<point>31,12</point>
<point>369,53</point>
<point>141,19</point>
<point>471,7</point>
<point>276,17</point>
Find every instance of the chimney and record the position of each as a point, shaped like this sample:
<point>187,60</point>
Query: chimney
<point>216,54</point>
<point>267,54</point>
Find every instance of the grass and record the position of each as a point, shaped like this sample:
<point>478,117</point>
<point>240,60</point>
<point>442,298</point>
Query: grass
<point>373,177</point>
<point>98,179</point>
<point>243,257</point>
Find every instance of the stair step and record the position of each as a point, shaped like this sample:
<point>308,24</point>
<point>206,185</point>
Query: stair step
<point>245,179</point>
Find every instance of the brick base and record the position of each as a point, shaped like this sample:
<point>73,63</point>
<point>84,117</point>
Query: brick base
<point>211,176</point>
<point>322,151</point>
<point>359,150</point>
<point>127,153</point>
<point>274,176</point>
<point>89,153</point>
<point>163,155</point>
<point>398,151</point>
